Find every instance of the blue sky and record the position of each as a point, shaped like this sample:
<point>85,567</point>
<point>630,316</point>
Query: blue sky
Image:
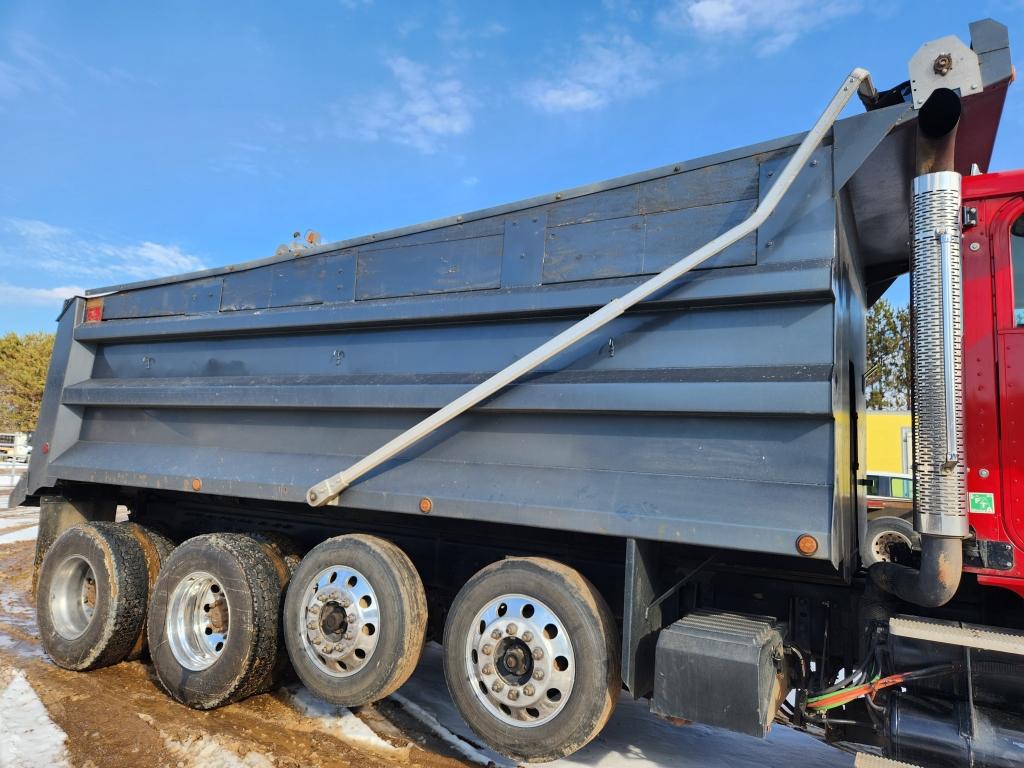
<point>143,139</point>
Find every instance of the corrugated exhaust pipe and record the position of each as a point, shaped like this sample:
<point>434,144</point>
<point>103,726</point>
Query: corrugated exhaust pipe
<point>936,296</point>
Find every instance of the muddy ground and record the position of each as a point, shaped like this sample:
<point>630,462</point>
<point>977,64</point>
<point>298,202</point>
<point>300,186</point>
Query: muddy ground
<point>118,717</point>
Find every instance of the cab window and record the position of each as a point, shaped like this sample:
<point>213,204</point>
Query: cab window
<point>1017,253</point>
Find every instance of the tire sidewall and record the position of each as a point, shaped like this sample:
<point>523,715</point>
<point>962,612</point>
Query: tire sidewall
<point>577,722</point>
<point>85,650</point>
<point>221,681</point>
<point>375,679</point>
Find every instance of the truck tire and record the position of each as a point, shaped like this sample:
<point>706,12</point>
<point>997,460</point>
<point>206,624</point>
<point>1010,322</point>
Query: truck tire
<point>286,555</point>
<point>156,548</point>
<point>885,532</point>
<point>91,596</point>
<point>531,658</point>
<point>213,620</point>
<point>355,619</point>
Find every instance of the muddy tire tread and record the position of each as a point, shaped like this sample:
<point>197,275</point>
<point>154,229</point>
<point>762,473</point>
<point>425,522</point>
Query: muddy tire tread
<point>129,588</point>
<point>263,588</point>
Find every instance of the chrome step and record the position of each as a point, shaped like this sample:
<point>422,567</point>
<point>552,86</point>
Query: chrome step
<point>952,633</point>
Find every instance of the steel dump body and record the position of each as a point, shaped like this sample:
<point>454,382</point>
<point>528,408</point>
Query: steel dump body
<point>722,413</point>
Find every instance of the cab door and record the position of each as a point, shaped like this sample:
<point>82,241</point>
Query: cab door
<point>1006,236</point>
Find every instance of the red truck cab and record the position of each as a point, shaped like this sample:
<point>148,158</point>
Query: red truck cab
<point>993,280</point>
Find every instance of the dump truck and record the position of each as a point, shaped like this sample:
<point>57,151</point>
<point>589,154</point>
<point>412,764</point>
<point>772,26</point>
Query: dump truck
<point>606,442</point>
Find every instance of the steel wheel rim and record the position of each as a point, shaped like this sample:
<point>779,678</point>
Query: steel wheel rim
<point>198,620</point>
<point>884,540</point>
<point>340,621</point>
<point>73,597</point>
<point>520,661</point>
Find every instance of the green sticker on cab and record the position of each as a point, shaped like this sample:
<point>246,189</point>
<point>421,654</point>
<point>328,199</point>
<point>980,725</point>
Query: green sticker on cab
<point>982,503</point>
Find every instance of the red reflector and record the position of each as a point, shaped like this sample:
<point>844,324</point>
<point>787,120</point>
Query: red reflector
<point>93,310</point>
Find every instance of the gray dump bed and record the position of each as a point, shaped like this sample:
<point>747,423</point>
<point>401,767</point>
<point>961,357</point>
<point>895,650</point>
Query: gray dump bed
<point>723,413</point>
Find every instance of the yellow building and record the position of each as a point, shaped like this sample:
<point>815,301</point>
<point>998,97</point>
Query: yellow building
<point>889,442</point>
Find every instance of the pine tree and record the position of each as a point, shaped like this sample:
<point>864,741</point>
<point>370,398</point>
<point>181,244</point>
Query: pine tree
<point>888,382</point>
<point>23,364</point>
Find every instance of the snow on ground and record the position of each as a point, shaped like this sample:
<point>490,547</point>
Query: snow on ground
<point>210,752</point>
<point>337,721</point>
<point>16,519</point>
<point>28,737</point>
<point>636,738</point>
<point>22,534</point>
<point>459,744</point>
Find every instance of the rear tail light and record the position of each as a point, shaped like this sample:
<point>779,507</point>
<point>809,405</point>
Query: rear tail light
<point>93,310</point>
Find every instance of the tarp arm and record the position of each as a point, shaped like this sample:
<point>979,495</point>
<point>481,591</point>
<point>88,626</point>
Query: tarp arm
<point>327,490</point>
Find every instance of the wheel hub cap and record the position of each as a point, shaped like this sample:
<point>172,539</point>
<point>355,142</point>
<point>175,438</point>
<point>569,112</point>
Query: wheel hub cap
<point>885,542</point>
<point>341,621</point>
<point>73,597</point>
<point>520,660</point>
<point>198,620</point>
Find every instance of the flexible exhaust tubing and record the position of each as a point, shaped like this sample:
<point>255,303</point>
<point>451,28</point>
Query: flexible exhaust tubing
<point>936,296</point>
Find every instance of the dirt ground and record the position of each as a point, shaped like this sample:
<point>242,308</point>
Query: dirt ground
<point>118,718</point>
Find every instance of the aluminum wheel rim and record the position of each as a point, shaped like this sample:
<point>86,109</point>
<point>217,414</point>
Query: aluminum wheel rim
<point>883,541</point>
<point>198,620</point>
<point>520,661</point>
<point>73,597</point>
<point>340,621</point>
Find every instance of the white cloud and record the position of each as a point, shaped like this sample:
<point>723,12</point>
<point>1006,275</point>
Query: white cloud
<point>470,181</point>
<point>608,67</point>
<point>453,30</point>
<point>772,25</point>
<point>38,245</point>
<point>427,108</point>
<point>627,9</point>
<point>19,296</point>
<point>28,68</point>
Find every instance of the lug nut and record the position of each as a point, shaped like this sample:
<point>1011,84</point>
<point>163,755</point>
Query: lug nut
<point>538,654</point>
<point>314,608</point>
<point>538,674</point>
<point>311,625</point>
<point>498,685</point>
<point>486,650</point>
<point>352,618</point>
<point>527,637</point>
<point>345,602</point>
<point>511,629</point>
<point>322,598</point>
<point>496,634</point>
<point>488,669</point>
<point>513,694</point>
<point>317,640</point>
<point>529,690</point>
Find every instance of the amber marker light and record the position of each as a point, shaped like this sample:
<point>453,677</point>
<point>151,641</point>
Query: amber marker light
<point>806,545</point>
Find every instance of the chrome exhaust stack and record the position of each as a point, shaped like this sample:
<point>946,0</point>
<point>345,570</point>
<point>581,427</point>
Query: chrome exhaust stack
<point>936,295</point>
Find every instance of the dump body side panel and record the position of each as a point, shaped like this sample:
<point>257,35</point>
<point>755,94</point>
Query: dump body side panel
<point>704,417</point>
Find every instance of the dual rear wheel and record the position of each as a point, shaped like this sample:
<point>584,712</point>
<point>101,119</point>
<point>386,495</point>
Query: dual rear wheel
<point>530,647</point>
